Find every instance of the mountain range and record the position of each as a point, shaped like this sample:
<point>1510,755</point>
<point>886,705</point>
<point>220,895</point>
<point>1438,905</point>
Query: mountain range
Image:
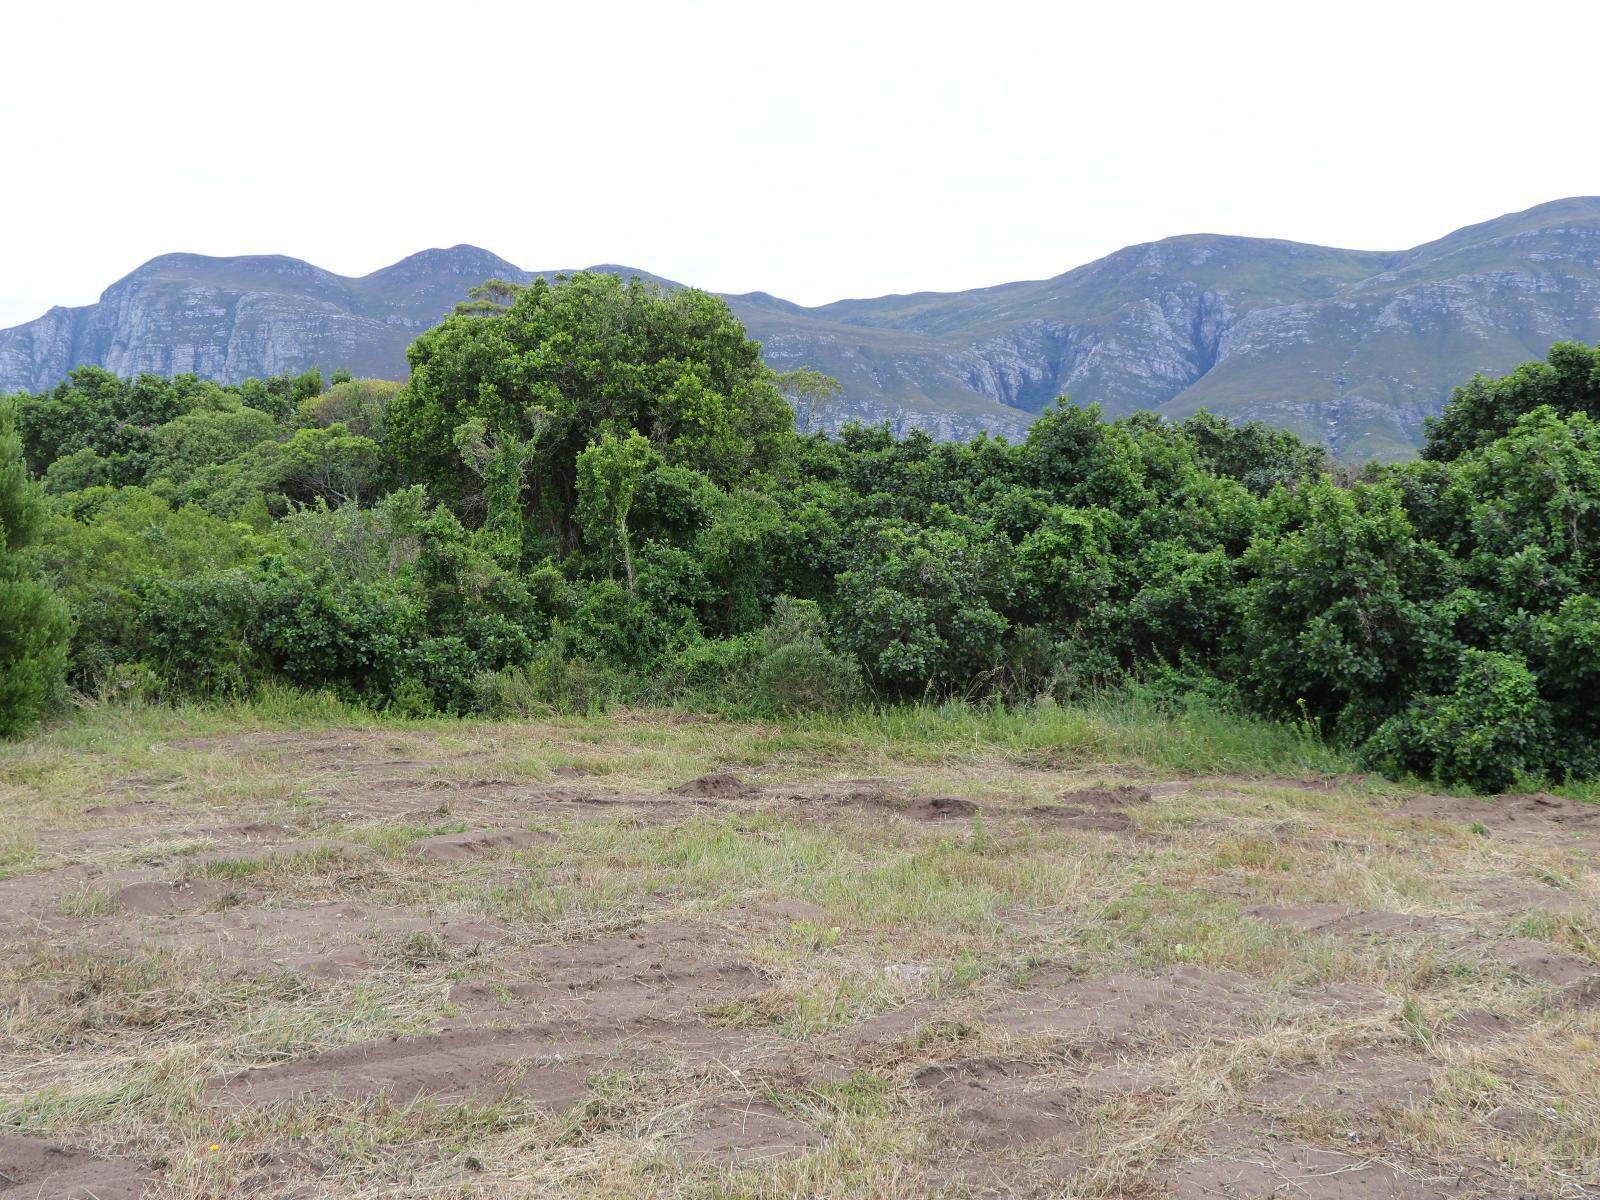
<point>1353,348</point>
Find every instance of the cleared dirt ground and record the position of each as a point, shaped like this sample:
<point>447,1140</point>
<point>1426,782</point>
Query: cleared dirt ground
<point>623,961</point>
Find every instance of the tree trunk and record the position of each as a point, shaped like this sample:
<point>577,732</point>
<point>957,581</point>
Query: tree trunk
<point>627,554</point>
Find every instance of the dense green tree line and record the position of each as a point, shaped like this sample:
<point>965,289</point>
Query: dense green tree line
<point>592,492</point>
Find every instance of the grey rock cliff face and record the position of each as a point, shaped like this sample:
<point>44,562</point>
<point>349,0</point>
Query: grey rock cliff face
<point>1354,348</point>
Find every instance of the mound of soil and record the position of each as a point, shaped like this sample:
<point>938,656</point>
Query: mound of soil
<point>1125,796</point>
<point>939,808</point>
<point>1578,978</point>
<point>1102,809</point>
<point>721,786</point>
<point>159,899</point>
<point>476,843</point>
<point>870,796</point>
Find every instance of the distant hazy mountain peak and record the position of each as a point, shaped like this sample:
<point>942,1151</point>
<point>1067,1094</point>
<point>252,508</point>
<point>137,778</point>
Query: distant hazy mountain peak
<point>464,260</point>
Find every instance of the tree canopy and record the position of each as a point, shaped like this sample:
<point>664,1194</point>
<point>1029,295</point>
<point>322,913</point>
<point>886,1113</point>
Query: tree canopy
<point>568,361</point>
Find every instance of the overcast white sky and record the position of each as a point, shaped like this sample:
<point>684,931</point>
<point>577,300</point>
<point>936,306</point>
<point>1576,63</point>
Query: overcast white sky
<point>814,150</point>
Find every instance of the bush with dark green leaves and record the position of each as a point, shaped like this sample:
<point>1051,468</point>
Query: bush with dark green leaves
<point>1490,730</point>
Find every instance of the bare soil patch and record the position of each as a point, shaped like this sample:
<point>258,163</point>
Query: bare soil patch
<point>32,1167</point>
<point>1183,1000</point>
<point>992,1102</point>
<point>1333,918</point>
<point>482,1064</point>
<point>939,808</point>
<point>1238,1167</point>
<point>1352,1085</point>
<point>326,938</point>
<point>616,980</point>
<point>1539,816</point>
<point>872,796</point>
<point>173,896</point>
<point>1094,808</point>
<point>1575,979</point>
<point>745,1129</point>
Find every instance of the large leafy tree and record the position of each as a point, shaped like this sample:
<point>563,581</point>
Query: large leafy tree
<point>33,621</point>
<point>572,358</point>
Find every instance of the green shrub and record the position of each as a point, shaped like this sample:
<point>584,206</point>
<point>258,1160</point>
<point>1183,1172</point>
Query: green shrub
<point>129,683</point>
<point>621,512</point>
<point>507,693</point>
<point>805,676</point>
<point>77,471</point>
<point>1489,732</point>
<point>796,670</point>
<point>718,671</point>
<point>916,608</point>
<point>793,620</point>
<point>612,624</point>
<point>198,634</point>
<point>442,668</point>
<point>555,680</point>
<point>1031,664</point>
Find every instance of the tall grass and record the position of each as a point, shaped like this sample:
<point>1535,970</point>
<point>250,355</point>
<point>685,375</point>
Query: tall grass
<point>1119,730</point>
<point>1116,729</point>
<point>274,706</point>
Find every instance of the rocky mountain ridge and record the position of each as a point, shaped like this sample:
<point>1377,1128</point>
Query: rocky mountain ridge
<point>1353,348</point>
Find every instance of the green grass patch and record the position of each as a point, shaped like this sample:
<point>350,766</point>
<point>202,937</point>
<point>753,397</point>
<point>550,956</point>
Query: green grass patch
<point>18,853</point>
<point>87,902</point>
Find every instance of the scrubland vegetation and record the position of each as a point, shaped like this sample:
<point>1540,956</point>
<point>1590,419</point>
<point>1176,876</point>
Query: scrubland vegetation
<point>590,494</point>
